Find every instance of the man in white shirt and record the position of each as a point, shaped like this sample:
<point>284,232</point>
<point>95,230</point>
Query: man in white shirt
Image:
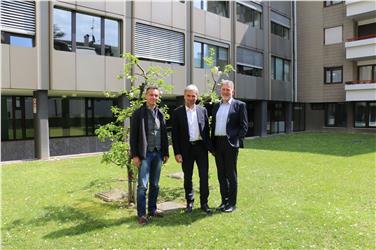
<point>229,127</point>
<point>191,143</point>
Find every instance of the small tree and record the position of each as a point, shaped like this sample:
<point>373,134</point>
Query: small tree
<point>117,132</point>
<point>216,75</point>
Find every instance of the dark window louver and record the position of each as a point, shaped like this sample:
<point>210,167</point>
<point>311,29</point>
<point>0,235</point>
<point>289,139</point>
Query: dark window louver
<point>159,44</point>
<point>18,17</point>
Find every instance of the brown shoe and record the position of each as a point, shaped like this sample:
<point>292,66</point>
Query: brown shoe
<point>143,220</point>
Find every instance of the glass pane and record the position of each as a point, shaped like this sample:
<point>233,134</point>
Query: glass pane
<point>77,120</point>
<point>374,73</point>
<point>62,30</point>
<point>102,112</point>
<point>112,37</point>
<point>360,114</point>
<point>372,114</point>
<point>257,19</point>
<point>55,117</point>
<point>341,115</point>
<point>337,75</point>
<point>365,73</point>
<point>21,41</point>
<point>197,55</point>
<point>218,7</point>
<point>286,71</point>
<point>88,30</point>
<point>197,4</point>
<point>222,57</point>
<point>29,121</point>
<point>328,75</point>
<point>207,49</point>
<point>243,14</point>
<point>279,69</point>
<point>6,118</point>
<point>330,115</point>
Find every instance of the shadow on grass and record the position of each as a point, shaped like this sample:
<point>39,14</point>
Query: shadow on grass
<point>336,144</point>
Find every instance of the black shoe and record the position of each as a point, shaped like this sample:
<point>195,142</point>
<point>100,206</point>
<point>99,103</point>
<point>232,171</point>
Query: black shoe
<point>230,208</point>
<point>189,208</point>
<point>221,207</point>
<point>206,209</point>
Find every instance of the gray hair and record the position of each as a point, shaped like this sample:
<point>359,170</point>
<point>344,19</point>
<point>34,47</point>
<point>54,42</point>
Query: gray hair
<point>228,83</point>
<point>191,87</point>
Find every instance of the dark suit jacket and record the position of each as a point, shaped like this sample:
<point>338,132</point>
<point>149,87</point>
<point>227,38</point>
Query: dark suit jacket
<point>237,123</point>
<point>138,133</point>
<point>180,131</point>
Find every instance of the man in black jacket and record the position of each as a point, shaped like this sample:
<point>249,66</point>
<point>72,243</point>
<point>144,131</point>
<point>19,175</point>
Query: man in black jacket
<point>229,127</point>
<point>149,148</point>
<point>191,142</point>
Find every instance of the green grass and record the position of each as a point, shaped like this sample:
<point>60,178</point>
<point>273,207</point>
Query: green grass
<point>304,190</point>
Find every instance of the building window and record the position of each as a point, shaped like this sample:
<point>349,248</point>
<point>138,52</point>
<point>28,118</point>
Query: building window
<point>276,118</point>
<point>154,43</point>
<point>17,39</point>
<point>330,3</point>
<point>77,116</point>
<point>18,23</point>
<point>367,73</point>
<point>280,69</point>
<point>367,30</point>
<point>298,117</point>
<point>333,35</point>
<point>365,114</point>
<point>86,34</point>
<point>202,50</point>
<point>16,118</point>
<point>280,30</point>
<point>333,75</point>
<point>249,62</point>
<point>248,16</point>
<point>335,115</point>
<point>217,7</point>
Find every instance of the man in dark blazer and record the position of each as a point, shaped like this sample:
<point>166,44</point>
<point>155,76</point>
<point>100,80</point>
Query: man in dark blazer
<point>229,127</point>
<point>191,142</point>
<point>149,148</point>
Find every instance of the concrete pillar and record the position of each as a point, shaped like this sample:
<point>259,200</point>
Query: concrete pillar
<point>41,133</point>
<point>261,118</point>
<point>288,117</point>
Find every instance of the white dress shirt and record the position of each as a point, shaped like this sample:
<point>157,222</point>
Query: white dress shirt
<point>194,132</point>
<point>221,118</point>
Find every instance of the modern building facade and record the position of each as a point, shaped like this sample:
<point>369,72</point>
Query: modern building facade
<point>59,57</point>
<point>336,62</point>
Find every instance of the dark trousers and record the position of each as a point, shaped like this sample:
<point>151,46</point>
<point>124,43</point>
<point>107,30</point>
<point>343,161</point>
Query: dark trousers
<point>199,154</point>
<point>226,158</point>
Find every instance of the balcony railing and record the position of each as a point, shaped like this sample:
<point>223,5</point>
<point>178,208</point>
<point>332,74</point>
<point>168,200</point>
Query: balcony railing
<point>357,38</point>
<point>361,82</point>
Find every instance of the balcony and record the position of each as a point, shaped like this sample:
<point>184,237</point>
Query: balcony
<point>364,90</point>
<point>362,47</point>
<point>358,9</point>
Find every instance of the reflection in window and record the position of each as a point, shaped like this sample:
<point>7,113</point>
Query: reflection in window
<point>77,116</point>
<point>280,30</point>
<point>367,73</point>
<point>112,37</point>
<point>202,50</point>
<point>280,69</point>
<point>251,71</point>
<point>249,62</point>
<point>365,114</point>
<point>276,118</point>
<point>333,75</point>
<point>88,34</point>
<point>16,118</point>
<point>62,30</point>
<point>197,55</point>
<point>335,115</point>
<point>248,16</point>
<point>217,7</point>
<point>17,39</point>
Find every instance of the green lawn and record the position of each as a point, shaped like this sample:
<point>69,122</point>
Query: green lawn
<point>304,190</point>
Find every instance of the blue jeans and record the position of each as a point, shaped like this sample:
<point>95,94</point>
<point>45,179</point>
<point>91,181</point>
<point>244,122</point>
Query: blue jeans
<point>149,171</point>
